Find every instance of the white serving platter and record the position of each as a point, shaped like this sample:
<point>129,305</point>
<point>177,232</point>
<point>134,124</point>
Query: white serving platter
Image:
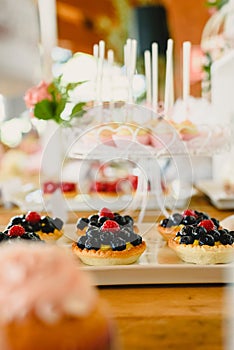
<point>158,265</point>
<point>215,191</point>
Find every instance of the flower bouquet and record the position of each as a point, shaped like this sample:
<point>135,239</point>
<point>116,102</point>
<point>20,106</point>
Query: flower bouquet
<point>51,101</point>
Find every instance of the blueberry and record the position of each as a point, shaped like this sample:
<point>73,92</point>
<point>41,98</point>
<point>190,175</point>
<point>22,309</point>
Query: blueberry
<point>135,239</point>
<point>94,223</point>
<point>186,240</point>
<point>92,243</point>
<point>92,231</point>
<point>216,222</point>
<point>118,244</point>
<point>167,222</point>
<point>120,220</point>
<point>102,219</point>
<point>106,237</point>
<point>128,219</point>
<point>3,236</point>
<point>189,220</point>
<point>223,231</point>
<point>16,220</point>
<point>125,234</point>
<point>82,223</point>
<point>198,232</point>
<point>215,234</point>
<point>93,217</point>
<point>58,223</point>
<point>81,242</point>
<point>177,218</point>
<point>34,227</point>
<point>187,230</point>
<point>226,238</point>
<point>206,240</point>
<point>231,233</point>
<point>47,228</point>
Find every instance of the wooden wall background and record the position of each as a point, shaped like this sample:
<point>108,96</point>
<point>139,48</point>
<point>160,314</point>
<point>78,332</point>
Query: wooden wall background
<point>82,23</point>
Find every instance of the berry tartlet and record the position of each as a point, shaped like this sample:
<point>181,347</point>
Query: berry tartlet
<point>16,233</point>
<point>168,227</point>
<point>108,240</point>
<point>47,228</point>
<point>204,244</point>
<point>68,189</point>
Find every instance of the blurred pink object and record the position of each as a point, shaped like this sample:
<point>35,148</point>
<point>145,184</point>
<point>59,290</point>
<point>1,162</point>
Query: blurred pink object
<point>37,94</point>
<point>196,65</point>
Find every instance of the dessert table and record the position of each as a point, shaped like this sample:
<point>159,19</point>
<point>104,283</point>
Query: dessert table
<point>194,316</point>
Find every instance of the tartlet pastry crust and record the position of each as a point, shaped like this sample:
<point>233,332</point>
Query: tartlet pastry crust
<point>203,255</point>
<point>109,257</point>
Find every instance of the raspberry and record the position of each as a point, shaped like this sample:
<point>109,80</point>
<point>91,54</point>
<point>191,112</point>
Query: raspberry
<point>16,230</point>
<point>110,225</point>
<point>208,224</point>
<point>33,217</point>
<point>49,187</point>
<point>189,212</point>
<point>106,212</point>
<point>68,186</point>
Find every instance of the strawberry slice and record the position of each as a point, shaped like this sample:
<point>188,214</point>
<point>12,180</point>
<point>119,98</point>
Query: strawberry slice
<point>16,230</point>
<point>189,212</point>
<point>33,217</point>
<point>207,224</point>
<point>106,212</point>
<point>110,225</point>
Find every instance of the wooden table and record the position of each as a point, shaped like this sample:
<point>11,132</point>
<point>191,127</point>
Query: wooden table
<point>169,316</point>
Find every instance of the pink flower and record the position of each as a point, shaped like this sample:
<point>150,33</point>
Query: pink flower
<point>37,94</point>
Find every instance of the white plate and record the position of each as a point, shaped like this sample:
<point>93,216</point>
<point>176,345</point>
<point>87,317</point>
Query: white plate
<point>157,265</point>
<point>215,191</point>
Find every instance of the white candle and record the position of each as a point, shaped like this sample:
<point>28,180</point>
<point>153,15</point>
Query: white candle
<point>95,50</point>
<point>147,58</point>
<point>155,76</point>
<point>48,35</point>
<point>168,100</point>
<point>186,70</point>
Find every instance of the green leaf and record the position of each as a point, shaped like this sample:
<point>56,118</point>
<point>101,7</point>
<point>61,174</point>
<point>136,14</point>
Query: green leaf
<point>60,106</point>
<point>45,109</point>
<point>78,110</point>
<point>72,86</point>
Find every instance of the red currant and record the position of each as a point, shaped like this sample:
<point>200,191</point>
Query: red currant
<point>16,230</point>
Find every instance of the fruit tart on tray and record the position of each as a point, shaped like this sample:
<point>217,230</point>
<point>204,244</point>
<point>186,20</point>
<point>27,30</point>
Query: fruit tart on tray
<point>108,238</point>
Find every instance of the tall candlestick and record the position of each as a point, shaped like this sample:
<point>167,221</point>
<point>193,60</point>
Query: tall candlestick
<point>48,35</point>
